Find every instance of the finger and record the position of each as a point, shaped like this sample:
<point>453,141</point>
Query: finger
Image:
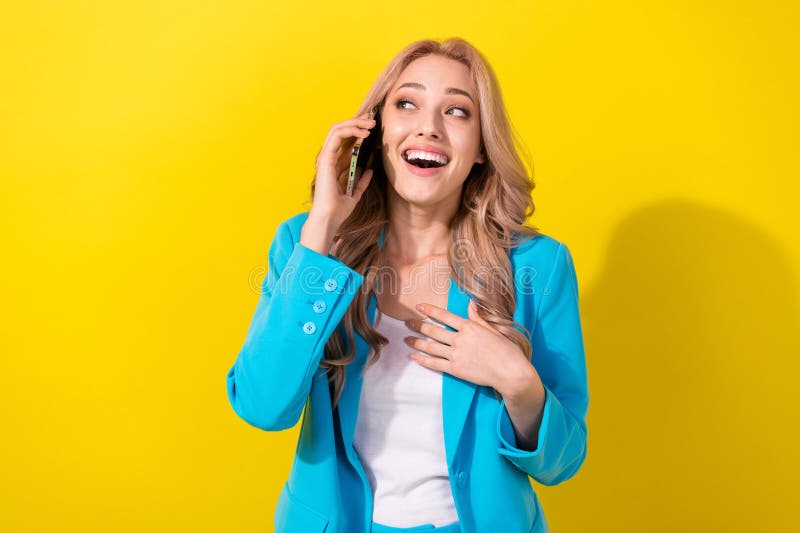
<point>363,123</point>
<point>434,363</point>
<point>344,132</point>
<point>472,312</point>
<point>359,122</point>
<point>335,146</point>
<point>442,315</point>
<point>338,134</point>
<point>433,331</point>
<point>429,347</point>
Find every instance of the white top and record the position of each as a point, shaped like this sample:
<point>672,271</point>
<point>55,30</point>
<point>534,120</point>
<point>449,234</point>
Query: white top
<point>399,435</point>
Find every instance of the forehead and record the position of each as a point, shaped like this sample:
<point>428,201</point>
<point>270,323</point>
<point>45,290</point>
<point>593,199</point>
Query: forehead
<point>437,73</point>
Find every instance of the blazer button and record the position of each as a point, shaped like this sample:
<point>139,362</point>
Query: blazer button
<point>319,306</point>
<point>330,285</point>
<point>461,480</point>
<point>309,327</point>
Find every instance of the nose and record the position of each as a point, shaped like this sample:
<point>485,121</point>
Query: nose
<point>429,126</point>
<point>429,132</point>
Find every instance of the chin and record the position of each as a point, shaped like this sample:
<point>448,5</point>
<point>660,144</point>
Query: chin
<point>418,192</point>
<point>421,190</point>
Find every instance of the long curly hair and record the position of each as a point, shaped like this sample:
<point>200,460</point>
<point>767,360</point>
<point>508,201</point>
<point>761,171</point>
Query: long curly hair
<point>495,203</point>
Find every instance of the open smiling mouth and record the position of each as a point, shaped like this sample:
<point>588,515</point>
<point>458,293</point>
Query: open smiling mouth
<point>422,162</point>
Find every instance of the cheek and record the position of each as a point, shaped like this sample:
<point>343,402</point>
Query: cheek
<point>387,163</point>
<point>469,143</point>
<point>393,134</point>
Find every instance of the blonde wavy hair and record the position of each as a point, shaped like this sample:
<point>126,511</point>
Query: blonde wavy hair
<point>495,203</point>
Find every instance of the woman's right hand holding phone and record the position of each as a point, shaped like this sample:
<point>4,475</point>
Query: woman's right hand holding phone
<point>331,204</point>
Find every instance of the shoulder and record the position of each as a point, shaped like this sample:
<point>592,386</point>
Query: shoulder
<point>539,251</point>
<point>540,262</point>
<point>543,272</point>
<point>291,227</point>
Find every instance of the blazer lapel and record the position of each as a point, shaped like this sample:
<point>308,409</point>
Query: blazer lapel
<point>457,394</point>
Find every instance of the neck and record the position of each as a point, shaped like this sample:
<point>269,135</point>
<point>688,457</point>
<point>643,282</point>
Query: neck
<point>415,233</point>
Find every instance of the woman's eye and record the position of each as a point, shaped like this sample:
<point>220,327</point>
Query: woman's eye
<point>461,109</point>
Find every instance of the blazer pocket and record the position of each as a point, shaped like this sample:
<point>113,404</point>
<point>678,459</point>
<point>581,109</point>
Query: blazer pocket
<point>294,516</point>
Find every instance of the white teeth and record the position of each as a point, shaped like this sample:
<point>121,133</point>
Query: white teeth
<point>428,156</point>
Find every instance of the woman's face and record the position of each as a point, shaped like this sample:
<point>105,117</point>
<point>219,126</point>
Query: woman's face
<point>427,111</point>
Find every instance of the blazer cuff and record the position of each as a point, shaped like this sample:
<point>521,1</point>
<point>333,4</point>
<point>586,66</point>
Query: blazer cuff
<point>322,275</point>
<point>302,306</point>
<point>561,445</point>
<point>505,429</point>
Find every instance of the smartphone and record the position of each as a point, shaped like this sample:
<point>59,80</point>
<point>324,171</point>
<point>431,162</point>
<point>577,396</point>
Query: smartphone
<point>365,151</point>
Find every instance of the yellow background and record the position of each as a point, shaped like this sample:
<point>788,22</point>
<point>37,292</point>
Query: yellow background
<point>149,149</point>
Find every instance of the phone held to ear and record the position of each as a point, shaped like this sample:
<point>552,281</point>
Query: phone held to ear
<point>364,151</point>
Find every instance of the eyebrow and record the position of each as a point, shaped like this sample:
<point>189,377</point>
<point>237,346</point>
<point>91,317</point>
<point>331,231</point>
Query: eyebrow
<point>449,90</point>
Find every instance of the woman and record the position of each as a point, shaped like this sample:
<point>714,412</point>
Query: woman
<point>427,407</point>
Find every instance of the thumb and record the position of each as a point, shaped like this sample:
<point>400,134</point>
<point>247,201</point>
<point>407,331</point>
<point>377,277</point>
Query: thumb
<point>472,313</point>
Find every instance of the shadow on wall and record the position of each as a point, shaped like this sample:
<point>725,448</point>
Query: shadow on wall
<point>692,349</point>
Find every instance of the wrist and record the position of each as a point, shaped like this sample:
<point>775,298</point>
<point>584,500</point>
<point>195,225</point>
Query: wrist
<point>317,233</point>
<point>519,381</point>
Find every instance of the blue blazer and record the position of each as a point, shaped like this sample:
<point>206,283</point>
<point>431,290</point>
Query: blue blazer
<point>277,374</point>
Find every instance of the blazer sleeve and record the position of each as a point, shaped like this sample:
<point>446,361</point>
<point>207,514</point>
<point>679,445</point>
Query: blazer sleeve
<point>559,357</point>
<point>303,297</point>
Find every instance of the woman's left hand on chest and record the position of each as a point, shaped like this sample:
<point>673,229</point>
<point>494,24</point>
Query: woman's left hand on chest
<point>475,351</point>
